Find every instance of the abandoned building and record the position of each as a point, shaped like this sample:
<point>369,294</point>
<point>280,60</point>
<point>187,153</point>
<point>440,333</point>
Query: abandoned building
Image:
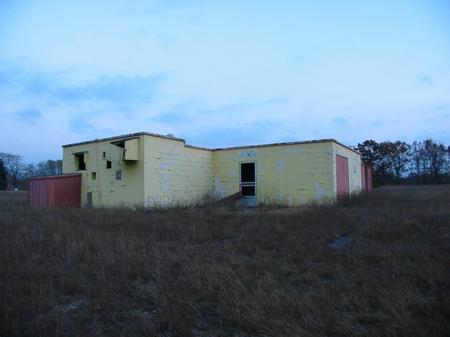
<point>154,170</point>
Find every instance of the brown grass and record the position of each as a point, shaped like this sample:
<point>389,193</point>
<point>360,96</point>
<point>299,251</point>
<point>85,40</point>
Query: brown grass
<point>209,272</point>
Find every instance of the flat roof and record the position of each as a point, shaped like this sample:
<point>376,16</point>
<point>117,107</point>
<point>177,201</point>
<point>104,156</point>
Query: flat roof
<point>169,137</point>
<point>130,135</point>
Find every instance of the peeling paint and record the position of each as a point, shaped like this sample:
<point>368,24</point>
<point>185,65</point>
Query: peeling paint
<point>166,171</point>
<point>164,182</point>
<point>220,187</point>
<point>248,154</point>
<point>280,165</point>
<point>319,191</point>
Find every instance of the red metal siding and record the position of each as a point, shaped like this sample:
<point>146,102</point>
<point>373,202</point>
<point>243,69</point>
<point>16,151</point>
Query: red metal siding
<point>37,192</point>
<point>342,183</point>
<point>55,191</point>
<point>366,176</point>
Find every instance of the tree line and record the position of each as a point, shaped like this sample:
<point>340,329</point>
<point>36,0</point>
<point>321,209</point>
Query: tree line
<point>424,162</point>
<point>15,173</point>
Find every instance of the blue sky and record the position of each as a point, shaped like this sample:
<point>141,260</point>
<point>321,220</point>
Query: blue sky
<point>222,73</point>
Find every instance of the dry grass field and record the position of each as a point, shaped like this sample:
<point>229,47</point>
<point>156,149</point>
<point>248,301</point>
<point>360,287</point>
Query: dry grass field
<point>210,271</point>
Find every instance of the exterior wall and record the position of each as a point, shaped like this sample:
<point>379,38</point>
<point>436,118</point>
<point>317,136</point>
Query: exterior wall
<point>55,191</point>
<point>119,185</point>
<point>292,173</point>
<point>152,170</point>
<point>166,171</point>
<point>354,167</point>
<point>176,173</point>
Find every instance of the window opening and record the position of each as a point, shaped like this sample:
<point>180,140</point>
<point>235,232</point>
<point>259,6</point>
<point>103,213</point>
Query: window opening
<point>108,164</point>
<point>126,149</point>
<point>94,175</point>
<point>79,162</point>
<point>119,175</point>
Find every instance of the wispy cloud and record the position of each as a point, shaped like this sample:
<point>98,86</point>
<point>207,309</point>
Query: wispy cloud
<point>341,121</point>
<point>226,136</point>
<point>426,80</point>
<point>28,116</point>
<point>119,91</point>
<point>79,124</point>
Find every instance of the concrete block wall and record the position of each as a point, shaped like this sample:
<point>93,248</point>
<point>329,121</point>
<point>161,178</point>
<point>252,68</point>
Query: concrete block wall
<point>288,173</point>
<point>102,183</point>
<point>176,173</point>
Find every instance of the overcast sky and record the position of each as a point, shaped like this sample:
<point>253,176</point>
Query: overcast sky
<point>222,73</point>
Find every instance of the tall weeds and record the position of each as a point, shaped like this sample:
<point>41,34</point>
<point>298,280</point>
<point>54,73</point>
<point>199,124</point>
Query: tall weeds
<point>206,271</point>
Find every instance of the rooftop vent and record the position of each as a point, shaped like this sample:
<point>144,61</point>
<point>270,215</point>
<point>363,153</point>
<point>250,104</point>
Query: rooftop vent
<point>171,135</point>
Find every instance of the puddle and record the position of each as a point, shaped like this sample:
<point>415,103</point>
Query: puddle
<point>341,242</point>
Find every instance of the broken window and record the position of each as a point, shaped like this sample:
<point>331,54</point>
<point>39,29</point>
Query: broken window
<point>248,191</point>
<point>81,160</point>
<point>126,149</point>
<point>115,154</point>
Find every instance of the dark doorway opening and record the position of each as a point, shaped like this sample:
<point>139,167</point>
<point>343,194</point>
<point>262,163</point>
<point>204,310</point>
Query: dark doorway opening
<point>248,184</point>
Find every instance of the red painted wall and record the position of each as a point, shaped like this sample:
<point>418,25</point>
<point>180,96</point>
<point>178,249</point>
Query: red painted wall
<point>342,182</point>
<point>55,191</point>
<point>366,176</point>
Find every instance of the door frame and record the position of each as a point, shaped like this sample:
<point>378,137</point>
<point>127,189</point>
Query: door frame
<point>248,187</point>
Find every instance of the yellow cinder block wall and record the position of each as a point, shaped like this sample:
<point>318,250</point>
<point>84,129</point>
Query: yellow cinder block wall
<point>159,170</point>
<point>176,173</point>
<point>101,180</point>
<point>291,173</point>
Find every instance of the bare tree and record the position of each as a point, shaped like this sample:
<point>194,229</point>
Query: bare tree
<point>398,155</point>
<point>3,176</point>
<point>15,167</point>
<point>49,167</point>
<point>375,155</point>
<point>429,161</point>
